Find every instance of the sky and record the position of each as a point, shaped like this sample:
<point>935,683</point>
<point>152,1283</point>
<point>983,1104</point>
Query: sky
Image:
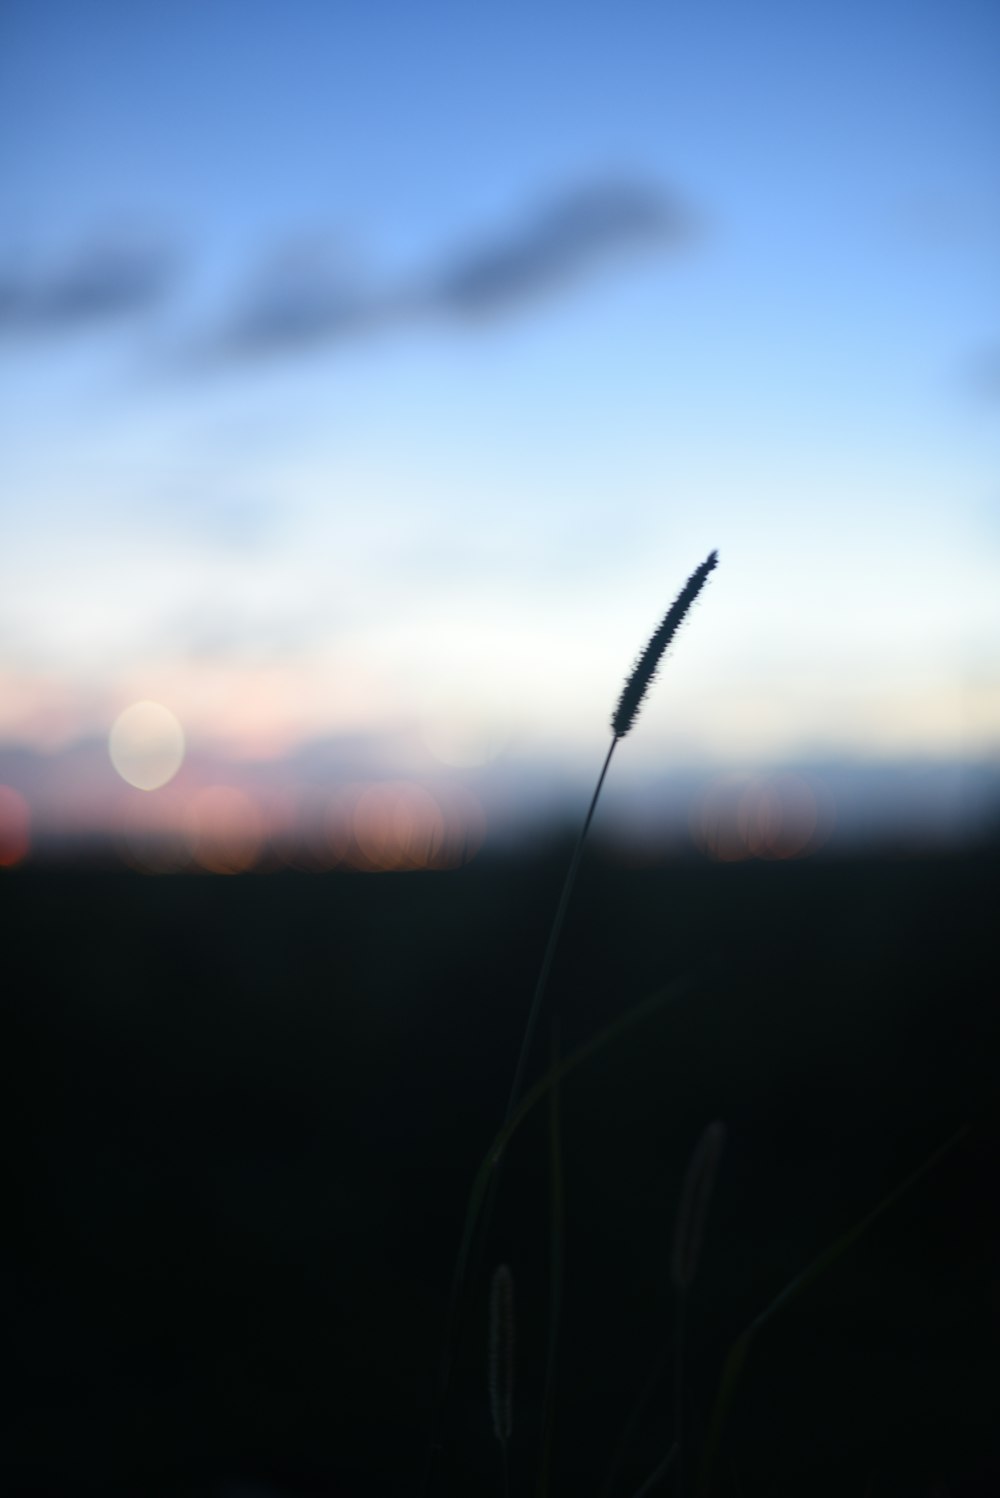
<point>372,377</point>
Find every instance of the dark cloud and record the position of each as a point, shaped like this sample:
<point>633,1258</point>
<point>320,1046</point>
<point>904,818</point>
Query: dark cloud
<point>305,297</point>
<point>570,236</point>
<point>300,302</point>
<point>301,298</point>
<point>104,283</point>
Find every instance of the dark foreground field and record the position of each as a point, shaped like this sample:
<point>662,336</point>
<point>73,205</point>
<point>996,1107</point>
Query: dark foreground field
<point>246,1114</point>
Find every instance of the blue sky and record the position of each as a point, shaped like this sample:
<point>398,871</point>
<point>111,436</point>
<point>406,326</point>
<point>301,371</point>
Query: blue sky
<point>360,364</point>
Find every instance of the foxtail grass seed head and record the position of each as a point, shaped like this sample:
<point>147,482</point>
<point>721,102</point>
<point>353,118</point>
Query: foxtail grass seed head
<point>502,1352</point>
<point>644,669</point>
<point>695,1200</point>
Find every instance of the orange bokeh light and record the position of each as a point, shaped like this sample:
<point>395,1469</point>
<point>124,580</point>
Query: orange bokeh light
<point>397,825</point>
<point>15,827</point>
<point>773,817</point>
<point>338,825</point>
<point>224,829</point>
<point>779,817</point>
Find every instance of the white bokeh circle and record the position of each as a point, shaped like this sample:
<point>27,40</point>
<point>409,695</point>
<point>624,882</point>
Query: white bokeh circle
<point>146,744</point>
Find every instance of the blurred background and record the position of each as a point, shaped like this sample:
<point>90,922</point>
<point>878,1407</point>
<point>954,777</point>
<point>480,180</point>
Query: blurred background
<point>371,378</point>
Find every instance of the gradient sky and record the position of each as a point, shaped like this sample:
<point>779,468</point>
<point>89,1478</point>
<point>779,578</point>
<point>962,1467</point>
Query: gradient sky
<point>361,366</point>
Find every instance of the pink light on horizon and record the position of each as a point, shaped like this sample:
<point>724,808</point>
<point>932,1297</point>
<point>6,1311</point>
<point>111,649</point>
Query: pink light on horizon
<point>773,817</point>
<point>15,827</point>
<point>367,826</point>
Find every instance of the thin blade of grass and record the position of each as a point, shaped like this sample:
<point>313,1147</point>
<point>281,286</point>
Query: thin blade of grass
<point>484,1173</point>
<point>739,1352</point>
<point>553,941</point>
<point>557,1241</point>
<point>484,1201</point>
<point>634,1423</point>
<point>657,1475</point>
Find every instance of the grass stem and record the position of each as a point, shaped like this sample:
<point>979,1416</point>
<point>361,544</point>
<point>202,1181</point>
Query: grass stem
<point>483,1196</point>
<point>553,942</point>
<point>739,1352</point>
<point>482,1201</point>
<point>557,1252</point>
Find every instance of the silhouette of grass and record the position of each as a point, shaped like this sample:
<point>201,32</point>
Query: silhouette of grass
<point>739,1352</point>
<point>696,1198</point>
<point>692,1210</point>
<point>557,1239</point>
<point>635,688</point>
<point>481,1203</point>
<point>501,1363</point>
<point>644,670</point>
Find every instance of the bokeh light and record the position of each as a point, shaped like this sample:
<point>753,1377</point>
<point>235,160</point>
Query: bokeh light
<point>224,830</point>
<point>146,745</point>
<point>338,824</point>
<point>398,825</point>
<point>776,816</point>
<point>15,827</point>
